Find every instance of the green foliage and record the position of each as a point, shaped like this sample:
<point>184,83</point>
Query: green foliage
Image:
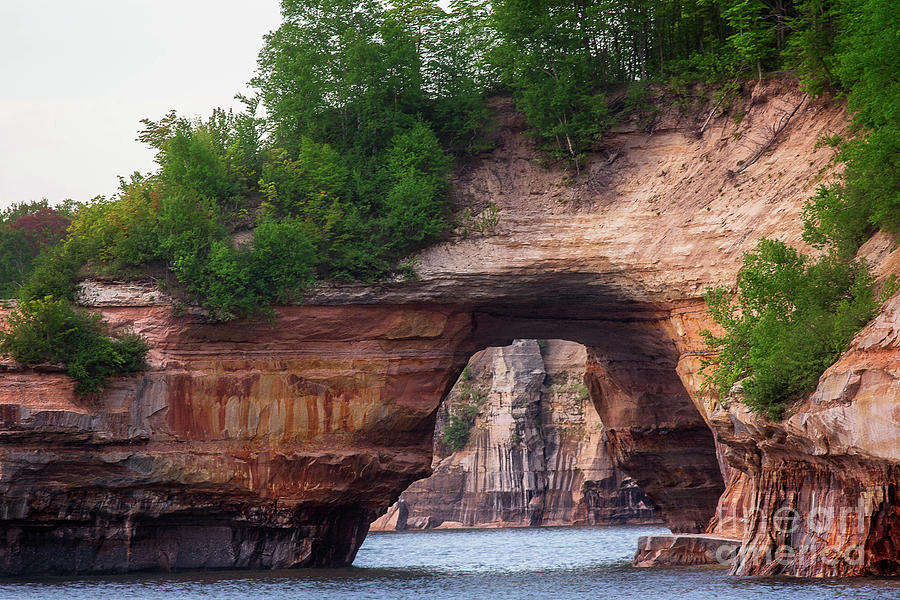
<point>232,281</point>
<point>153,222</point>
<point>357,95</point>
<point>558,58</point>
<point>366,101</point>
<point>310,186</point>
<point>456,433</point>
<point>55,273</point>
<point>754,37</point>
<point>837,217</point>
<point>464,408</point>
<point>119,232</point>
<point>52,331</point>
<point>810,48</point>
<point>791,319</point>
<point>867,64</point>
<point>829,141</point>
<point>216,159</point>
<point>282,260</point>
<point>872,175</point>
<point>865,59</point>
<point>545,55</point>
<point>471,397</point>
<point>415,211</point>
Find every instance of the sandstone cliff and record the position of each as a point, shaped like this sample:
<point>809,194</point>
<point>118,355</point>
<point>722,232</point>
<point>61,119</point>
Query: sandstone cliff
<point>256,444</point>
<point>536,453</point>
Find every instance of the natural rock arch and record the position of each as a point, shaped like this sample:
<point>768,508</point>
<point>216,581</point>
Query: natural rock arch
<point>255,444</point>
<point>275,445</point>
<point>519,442</point>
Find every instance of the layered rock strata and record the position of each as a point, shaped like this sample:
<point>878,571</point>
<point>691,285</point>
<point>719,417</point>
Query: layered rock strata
<point>282,441</point>
<point>823,483</point>
<point>685,550</point>
<point>536,454</point>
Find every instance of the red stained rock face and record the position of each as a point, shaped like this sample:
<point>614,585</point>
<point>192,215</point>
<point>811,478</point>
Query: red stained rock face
<point>248,445</point>
<point>818,491</point>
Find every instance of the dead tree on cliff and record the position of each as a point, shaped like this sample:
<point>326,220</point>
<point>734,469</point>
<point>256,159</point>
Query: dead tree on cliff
<point>777,128</point>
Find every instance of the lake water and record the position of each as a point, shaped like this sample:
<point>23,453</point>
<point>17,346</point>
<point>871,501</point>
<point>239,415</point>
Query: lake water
<point>539,563</point>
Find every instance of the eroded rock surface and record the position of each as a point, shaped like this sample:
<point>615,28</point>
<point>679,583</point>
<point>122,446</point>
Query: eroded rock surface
<point>824,481</point>
<point>536,453</point>
<point>685,550</point>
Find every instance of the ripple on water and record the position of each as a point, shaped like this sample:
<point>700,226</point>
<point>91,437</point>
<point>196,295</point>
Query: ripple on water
<point>542,563</point>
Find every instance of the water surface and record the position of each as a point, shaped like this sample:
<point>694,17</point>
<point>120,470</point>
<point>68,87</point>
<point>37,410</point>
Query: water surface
<point>470,564</point>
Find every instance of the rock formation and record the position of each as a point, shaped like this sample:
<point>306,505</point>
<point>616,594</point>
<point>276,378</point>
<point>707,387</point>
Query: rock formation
<point>258,444</point>
<point>684,550</point>
<point>536,454</point>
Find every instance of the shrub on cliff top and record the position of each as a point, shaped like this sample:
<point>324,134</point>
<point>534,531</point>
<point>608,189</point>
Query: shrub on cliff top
<point>53,331</point>
<point>792,317</point>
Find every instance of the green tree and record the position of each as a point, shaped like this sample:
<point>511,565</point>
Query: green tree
<point>791,318</point>
<point>754,35</point>
<point>337,71</point>
<point>553,56</point>
<point>217,159</point>
<point>810,48</point>
<point>53,331</point>
<point>866,63</point>
<point>415,208</point>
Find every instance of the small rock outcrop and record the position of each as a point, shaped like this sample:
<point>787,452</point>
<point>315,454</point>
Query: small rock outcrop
<point>536,453</point>
<point>685,550</point>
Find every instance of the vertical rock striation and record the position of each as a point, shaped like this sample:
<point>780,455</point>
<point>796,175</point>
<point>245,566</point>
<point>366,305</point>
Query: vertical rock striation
<point>822,485</point>
<point>536,454</point>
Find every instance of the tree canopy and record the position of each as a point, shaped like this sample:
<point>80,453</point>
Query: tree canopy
<point>338,166</point>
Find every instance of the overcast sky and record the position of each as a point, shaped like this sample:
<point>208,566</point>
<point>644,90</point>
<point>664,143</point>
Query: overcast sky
<point>77,76</point>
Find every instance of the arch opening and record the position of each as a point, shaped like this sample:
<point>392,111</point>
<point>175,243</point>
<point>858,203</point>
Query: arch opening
<point>518,442</point>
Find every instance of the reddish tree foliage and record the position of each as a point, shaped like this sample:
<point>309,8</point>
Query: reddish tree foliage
<point>41,228</point>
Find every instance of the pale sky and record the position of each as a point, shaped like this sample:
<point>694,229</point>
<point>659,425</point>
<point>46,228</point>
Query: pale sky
<point>77,76</point>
